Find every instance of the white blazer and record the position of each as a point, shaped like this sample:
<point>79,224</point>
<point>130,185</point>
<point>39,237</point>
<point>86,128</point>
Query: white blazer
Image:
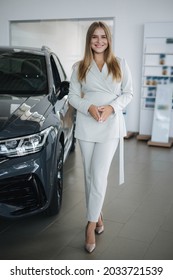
<point>100,89</point>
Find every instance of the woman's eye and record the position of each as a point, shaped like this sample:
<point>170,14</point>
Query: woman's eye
<point>95,37</point>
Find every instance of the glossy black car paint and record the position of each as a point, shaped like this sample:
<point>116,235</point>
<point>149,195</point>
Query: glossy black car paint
<point>32,183</point>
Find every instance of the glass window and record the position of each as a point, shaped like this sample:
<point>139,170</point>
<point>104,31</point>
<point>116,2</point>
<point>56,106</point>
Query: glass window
<point>55,34</point>
<point>22,72</point>
<point>60,68</point>
<point>56,76</point>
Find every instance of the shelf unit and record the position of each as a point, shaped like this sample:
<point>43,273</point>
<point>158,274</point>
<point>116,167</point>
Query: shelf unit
<point>157,68</point>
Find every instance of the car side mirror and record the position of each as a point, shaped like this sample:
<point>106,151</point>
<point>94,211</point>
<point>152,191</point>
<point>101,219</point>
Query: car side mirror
<point>64,89</point>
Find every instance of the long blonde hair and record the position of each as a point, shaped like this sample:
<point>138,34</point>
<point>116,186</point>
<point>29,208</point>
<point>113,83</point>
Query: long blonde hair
<point>110,59</point>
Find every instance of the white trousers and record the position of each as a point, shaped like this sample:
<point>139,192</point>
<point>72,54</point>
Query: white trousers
<point>97,158</point>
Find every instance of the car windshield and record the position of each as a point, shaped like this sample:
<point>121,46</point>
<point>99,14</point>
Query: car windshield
<point>22,73</point>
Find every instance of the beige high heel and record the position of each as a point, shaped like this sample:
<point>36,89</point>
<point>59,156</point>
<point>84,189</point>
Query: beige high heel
<point>100,229</point>
<point>89,247</point>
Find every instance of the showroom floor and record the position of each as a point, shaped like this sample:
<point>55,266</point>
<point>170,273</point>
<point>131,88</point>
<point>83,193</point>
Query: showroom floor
<point>138,216</point>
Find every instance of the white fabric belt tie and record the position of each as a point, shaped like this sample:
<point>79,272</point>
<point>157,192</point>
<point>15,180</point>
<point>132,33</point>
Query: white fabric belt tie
<point>121,161</point>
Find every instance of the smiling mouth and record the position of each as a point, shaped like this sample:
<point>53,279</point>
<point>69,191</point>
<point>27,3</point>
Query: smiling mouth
<point>99,46</point>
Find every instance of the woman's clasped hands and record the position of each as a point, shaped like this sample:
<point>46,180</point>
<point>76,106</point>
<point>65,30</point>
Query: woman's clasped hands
<point>100,113</point>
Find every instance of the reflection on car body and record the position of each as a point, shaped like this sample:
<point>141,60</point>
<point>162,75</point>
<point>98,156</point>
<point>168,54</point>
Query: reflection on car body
<point>36,131</point>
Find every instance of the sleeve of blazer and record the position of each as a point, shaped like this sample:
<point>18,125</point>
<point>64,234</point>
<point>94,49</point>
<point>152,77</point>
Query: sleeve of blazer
<point>126,89</point>
<point>75,94</point>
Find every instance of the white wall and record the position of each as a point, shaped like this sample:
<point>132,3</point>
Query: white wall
<point>130,17</point>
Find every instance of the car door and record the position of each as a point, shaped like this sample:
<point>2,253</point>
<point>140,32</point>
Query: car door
<point>62,106</point>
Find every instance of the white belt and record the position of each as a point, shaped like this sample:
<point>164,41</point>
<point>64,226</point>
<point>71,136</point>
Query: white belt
<point>121,161</point>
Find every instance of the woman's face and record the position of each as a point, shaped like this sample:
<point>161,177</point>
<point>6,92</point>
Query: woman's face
<point>99,42</point>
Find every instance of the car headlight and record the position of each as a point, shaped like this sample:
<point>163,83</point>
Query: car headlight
<point>24,145</point>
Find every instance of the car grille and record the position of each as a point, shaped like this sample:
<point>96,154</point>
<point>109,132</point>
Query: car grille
<point>22,194</point>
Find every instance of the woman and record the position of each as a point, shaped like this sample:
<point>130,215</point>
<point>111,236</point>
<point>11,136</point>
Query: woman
<point>100,88</point>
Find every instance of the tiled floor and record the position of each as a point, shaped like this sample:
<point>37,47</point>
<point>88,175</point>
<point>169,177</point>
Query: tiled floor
<point>138,216</point>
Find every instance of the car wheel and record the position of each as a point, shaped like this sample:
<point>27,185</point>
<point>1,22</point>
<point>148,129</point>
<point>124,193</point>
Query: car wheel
<point>56,200</point>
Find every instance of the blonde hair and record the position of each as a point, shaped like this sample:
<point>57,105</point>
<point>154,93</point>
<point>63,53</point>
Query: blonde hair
<point>110,59</point>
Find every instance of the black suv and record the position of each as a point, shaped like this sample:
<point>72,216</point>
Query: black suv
<point>36,131</point>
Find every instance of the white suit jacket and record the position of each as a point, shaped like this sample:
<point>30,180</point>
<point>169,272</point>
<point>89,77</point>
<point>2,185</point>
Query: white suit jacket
<point>100,89</point>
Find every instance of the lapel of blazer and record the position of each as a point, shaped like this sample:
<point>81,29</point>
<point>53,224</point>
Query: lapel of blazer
<point>102,77</point>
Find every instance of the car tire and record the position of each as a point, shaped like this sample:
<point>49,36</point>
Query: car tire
<point>56,200</point>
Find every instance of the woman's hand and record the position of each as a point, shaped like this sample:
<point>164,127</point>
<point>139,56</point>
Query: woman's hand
<point>101,113</point>
<point>94,112</point>
<point>105,112</point>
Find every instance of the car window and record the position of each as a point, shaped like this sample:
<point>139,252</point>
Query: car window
<point>22,72</point>
<point>55,72</point>
<point>58,71</point>
<point>60,68</point>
